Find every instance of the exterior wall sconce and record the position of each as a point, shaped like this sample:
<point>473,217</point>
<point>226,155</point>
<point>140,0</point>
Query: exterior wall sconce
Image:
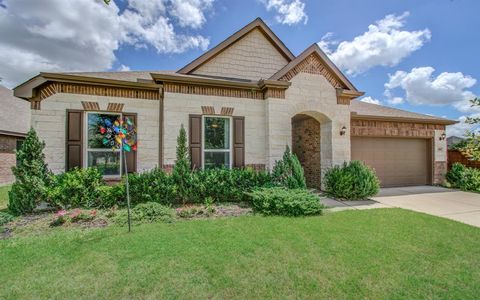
<point>343,130</point>
<point>442,137</point>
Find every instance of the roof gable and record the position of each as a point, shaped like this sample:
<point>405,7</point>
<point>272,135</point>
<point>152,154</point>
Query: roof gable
<point>255,40</point>
<point>314,60</point>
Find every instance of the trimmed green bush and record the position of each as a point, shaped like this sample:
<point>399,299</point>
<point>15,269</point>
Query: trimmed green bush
<point>455,175</point>
<point>76,188</point>
<point>288,172</point>
<point>182,173</point>
<point>149,212</point>
<point>351,181</point>
<point>225,185</point>
<point>284,202</point>
<point>467,179</point>
<point>5,218</point>
<point>31,176</point>
<point>152,186</point>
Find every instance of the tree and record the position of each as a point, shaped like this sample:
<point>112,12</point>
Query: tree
<point>470,147</point>
<point>288,172</point>
<point>181,171</point>
<point>31,176</point>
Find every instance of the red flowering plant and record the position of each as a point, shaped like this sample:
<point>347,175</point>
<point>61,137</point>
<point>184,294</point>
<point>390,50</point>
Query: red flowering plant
<point>77,215</point>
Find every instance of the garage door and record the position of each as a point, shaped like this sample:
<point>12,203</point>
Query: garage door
<point>397,161</point>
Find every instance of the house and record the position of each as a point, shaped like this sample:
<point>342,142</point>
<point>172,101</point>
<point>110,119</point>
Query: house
<point>241,102</point>
<point>14,125</point>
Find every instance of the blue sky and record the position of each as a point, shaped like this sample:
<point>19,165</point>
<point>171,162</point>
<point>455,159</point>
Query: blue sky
<point>427,49</point>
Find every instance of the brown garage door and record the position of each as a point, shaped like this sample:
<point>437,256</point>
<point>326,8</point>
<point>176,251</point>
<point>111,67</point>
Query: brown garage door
<point>397,161</point>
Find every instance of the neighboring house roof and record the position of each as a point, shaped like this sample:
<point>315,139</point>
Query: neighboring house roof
<point>363,110</point>
<point>14,115</point>
<point>257,23</point>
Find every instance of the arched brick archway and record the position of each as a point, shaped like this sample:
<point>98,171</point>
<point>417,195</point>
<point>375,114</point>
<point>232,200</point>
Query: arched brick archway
<point>306,145</point>
<point>311,142</point>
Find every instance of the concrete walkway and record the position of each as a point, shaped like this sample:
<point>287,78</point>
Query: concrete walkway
<point>451,204</point>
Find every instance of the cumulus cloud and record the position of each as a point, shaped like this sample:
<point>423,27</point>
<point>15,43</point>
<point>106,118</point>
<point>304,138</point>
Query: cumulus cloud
<point>83,35</point>
<point>384,44</point>
<point>371,100</point>
<point>461,128</point>
<point>420,87</point>
<point>289,12</point>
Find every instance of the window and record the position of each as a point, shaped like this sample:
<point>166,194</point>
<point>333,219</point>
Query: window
<point>98,155</point>
<point>216,142</point>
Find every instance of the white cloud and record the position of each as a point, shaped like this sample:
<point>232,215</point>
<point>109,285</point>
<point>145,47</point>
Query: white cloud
<point>384,44</point>
<point>123,68</point>
<point>421,87</point>
<point>190,12</point>
<point>461,128</point>
<point>289,12</point>
<point>371,100</point>
<point>83,35</point>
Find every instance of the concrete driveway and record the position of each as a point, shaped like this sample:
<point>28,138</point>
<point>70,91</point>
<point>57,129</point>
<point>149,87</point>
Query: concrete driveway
<point>437,201</point>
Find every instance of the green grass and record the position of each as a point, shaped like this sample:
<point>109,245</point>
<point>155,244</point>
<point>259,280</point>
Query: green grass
<point>383,253</point>
<point>4,196</point>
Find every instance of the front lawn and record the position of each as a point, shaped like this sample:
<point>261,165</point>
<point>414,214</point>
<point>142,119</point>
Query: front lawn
<point>4,196</point>
<point>383,253</point>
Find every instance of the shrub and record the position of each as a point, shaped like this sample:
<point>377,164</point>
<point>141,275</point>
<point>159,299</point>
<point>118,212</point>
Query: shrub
<point>31,176</point>
<point>225,185</point>
<point>149,212</point>
<point>285,202</point>
<point>351,181</point>
<point>455,175</point>
<point>5,218</point>
<point>288,172</point>
<point>111,195</point>
<point>152,186</point>
<point>467,179</point>
<point>76,188</point>
<point>181,173</point>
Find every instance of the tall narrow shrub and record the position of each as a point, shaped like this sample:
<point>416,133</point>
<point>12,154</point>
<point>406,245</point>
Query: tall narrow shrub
<point>31,176</point>
<point>288,172</point>
<point>181,171</point>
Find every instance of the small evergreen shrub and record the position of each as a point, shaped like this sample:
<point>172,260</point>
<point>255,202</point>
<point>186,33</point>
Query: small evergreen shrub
<point>31,176</point>
<point>182,173</point>
<point>76,188</point>
<point>152,186</point>
<point>288,172</point>
<point>466,179</point>
<point>285,202</point>
<point>5,218</point>
<point>111,195</point>
<point>149,212</point>
<point>351,181</point>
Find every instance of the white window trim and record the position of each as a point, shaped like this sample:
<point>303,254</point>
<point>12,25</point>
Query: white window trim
<point>86,149</point>
<point>230,150</point>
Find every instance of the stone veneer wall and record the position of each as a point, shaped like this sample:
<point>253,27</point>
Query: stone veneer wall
<point>178,107</point>
<point>8,144</point>
<point>252,57</point>
<point>49,122</point>
<point>306,145</point>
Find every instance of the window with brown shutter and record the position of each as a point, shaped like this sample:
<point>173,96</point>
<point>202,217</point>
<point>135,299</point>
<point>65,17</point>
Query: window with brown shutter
<point>74,135</point>
<point>195,140</point>
<point>238,142</point>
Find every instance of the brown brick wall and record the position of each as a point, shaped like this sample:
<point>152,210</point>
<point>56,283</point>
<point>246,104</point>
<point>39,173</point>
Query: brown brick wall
<point>306,145</point>
<point>8,144</point>
<point>7,161</point>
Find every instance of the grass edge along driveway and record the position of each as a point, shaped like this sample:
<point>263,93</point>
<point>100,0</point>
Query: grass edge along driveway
<point>382,253</point>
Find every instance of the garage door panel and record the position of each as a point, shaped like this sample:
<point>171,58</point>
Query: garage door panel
<point>396,161</point>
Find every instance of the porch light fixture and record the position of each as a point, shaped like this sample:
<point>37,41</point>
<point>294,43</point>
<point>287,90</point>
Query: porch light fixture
<point>343,130</point>
<point>442,137</point>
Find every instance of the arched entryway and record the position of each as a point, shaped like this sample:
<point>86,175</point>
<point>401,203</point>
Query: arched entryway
<point>306,145</point>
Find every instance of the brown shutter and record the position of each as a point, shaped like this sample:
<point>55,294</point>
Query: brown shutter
<point>195,140</point>
<point>132,155</point>
<point>238,142</point>
<point>74,157</point>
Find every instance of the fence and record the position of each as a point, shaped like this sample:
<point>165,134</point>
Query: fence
<point>455,156</point>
